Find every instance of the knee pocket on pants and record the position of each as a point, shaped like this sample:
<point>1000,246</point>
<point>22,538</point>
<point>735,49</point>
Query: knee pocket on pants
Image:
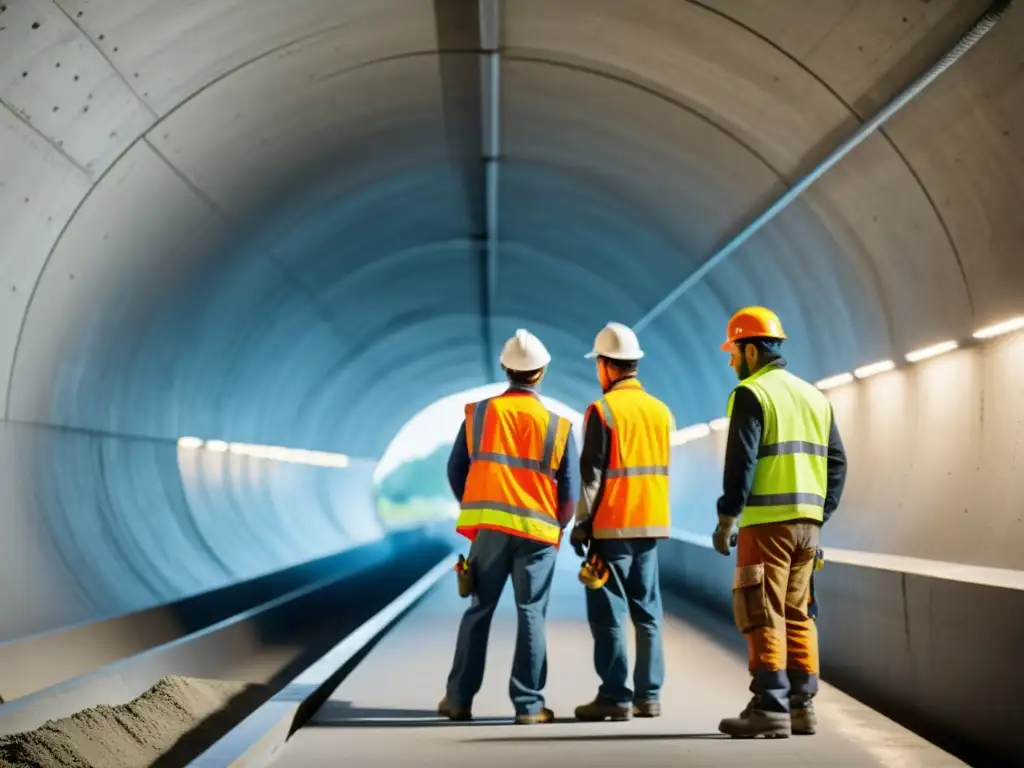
<point>750,598</point>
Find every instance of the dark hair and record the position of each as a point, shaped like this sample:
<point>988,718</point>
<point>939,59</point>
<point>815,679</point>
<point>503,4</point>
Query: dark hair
<point>623,366</point>
<point>769,348</point>
<point>523,378</point>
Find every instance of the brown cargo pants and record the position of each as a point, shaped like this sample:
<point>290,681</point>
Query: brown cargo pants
<point>771,595</point>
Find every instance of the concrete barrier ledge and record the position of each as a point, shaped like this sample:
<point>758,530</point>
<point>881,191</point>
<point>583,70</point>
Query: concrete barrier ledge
<point>932,652</point>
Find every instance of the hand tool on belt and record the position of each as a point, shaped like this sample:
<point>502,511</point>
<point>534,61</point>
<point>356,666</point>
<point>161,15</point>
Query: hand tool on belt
<point>464,576</point>
<point>594,572</point>
<point>819,562</point>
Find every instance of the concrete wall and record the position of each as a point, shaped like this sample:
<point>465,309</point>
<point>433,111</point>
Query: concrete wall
<point>934,654</point>
<point>934,466</point>
<point>934,475</point>
<point>101,526</point>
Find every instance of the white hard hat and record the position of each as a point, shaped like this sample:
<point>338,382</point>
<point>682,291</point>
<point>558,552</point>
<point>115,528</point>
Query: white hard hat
<point>524,352</point>
<point>617,342</point>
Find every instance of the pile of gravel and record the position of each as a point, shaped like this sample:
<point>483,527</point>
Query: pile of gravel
<point>171,722</point>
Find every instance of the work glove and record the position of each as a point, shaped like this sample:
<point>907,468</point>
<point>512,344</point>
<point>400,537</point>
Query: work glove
<point>723,537</point>
<point>580,538</point>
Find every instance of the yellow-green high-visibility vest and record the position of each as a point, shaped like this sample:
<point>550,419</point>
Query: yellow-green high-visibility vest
<point>792,462</point>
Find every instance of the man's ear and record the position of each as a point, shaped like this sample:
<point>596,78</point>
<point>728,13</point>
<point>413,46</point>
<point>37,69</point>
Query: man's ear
<point>751,353</point>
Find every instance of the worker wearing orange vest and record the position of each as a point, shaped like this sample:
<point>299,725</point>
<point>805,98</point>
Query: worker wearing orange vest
<point>623,511</point>
<point>785,468</point>
<point>510,468</point>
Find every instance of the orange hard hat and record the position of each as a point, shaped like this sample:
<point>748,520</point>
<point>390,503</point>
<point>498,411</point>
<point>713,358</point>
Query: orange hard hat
<point>753,323</point>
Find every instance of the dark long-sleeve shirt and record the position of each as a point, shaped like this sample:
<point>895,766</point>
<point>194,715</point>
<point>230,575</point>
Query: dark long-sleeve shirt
<point>566,480</point>
<point>745,425</point>
<point>593,465</point>
<point>597,439</point>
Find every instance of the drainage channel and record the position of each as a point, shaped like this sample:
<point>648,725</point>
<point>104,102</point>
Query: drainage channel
<point>256,741</point>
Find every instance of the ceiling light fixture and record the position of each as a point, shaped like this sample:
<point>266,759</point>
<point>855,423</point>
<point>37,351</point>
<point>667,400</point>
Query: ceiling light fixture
<point>933,351</point>
<point>1007,326</point>
<point>835,381</point>
<point>866,371</point>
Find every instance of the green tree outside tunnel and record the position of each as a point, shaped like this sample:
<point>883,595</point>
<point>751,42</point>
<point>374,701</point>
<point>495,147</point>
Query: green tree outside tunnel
<point>416,490</point>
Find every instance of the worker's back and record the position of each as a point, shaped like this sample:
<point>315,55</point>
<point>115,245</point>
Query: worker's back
<point>635,494</point>
<point>515,446</point>
<point>792,469</point>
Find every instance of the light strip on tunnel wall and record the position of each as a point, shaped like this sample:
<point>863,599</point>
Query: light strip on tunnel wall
<point>270,452</point>
<point>866,371</point>
<point>699,431</point>
<point>1000,329</point>
<point>933,351</point>
<point>835,381</point>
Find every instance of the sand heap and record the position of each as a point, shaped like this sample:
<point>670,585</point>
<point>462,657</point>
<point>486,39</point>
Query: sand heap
<point>178,716</point>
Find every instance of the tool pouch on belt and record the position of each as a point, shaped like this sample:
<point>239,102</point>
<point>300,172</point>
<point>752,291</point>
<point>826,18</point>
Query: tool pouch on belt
<point>750,598</point>
<point>464,576</point>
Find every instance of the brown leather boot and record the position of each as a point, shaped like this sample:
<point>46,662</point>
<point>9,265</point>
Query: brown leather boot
<point>444,709</point>
<point>754,722</point>
<point>598,711</point>
<point>537,718</point>
<point>802,716</point>
<point>646,709</point>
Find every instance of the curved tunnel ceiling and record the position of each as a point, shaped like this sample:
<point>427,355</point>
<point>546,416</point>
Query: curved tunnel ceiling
<point>248,221</point>
<point>264,221</point>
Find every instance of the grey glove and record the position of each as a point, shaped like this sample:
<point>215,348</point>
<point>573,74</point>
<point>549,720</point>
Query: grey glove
<point>723,537</point>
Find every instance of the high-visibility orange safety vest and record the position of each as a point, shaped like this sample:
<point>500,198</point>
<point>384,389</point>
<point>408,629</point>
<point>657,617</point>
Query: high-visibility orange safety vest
<point>515,448</point>
<point>634,501</point>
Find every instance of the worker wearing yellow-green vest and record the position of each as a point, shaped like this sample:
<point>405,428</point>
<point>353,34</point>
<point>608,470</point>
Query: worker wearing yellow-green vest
<point>785,468</point>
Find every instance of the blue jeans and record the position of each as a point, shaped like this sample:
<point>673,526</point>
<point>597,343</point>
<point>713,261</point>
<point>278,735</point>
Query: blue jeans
<point>632,589</point>
<point>495,556</point>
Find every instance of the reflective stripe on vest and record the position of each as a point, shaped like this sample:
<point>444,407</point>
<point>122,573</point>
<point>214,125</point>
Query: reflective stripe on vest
<point>792,462</point>
<point>515,446</point>
<point>634,502</point>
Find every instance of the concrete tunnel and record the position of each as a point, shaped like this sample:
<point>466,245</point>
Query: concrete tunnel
<point>297,224</point>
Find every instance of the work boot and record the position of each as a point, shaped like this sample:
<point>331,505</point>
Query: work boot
<point>444,709</point>
<point>598,711</point>
<point>646,709</point>
<point>544,716</point>
<point>754,722</point>
<point>801,714</point>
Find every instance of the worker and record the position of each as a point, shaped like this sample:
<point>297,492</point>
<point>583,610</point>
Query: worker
<point>785,468</point>
<point>510,468</point>
<point>622,512</point>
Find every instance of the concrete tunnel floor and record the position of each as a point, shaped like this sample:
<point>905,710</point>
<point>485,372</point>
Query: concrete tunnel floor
<point>384,713</point>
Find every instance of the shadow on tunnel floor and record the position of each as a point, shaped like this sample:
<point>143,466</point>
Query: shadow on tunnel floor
<point>341,714</point>
<point>594,737</point>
